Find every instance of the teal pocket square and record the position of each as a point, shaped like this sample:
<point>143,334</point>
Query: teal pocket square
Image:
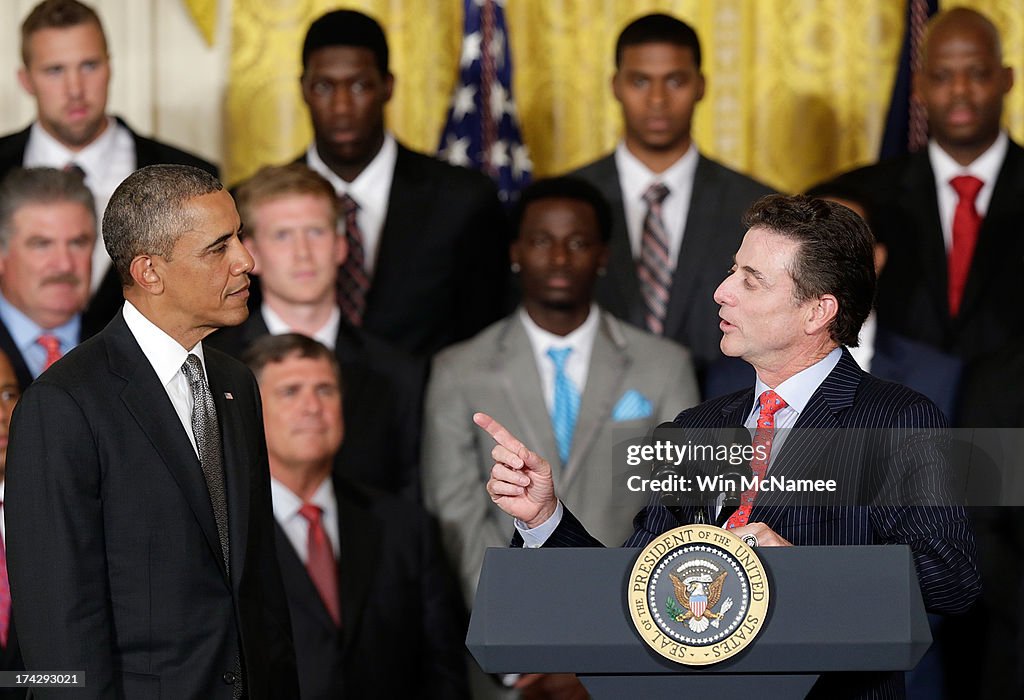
<point>632,406</point>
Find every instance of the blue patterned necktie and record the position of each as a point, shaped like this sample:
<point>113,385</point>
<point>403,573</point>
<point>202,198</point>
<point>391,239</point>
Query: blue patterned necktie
<point>566,404</point>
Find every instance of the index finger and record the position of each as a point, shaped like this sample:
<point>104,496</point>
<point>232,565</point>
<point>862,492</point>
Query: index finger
<point>501,435</point>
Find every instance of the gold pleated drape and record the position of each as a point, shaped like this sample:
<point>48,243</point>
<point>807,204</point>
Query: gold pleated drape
<point>797,89</point>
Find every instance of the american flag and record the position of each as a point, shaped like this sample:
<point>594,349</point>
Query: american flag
<point>482,130</point>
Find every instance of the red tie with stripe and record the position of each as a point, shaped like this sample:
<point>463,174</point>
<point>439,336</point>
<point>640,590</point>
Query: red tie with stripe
<point>320,563</point>
<point>51,344</point>
<point>770,403</point>
<point>353,282</point>
<point>654,269</point>
<point>966,224</point>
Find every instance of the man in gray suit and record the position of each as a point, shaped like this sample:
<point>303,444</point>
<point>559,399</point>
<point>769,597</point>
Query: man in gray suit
<point>676,213</point>
<point>561,371</point>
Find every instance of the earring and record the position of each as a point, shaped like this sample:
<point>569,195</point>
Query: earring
<point>515,267</point>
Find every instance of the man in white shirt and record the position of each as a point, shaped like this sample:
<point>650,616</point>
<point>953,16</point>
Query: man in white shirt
<point>428,261</point>
<point>290,215</point>
<point>66,70</point>
<point>950,214</point>
<point>665,196</point>
<point>47,233</point>
<point>360,567</point>
<point>800,287</point>
<point>138,506</point>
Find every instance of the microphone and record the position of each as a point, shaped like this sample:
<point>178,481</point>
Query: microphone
<point>686,472</point>
<point>732,477</point>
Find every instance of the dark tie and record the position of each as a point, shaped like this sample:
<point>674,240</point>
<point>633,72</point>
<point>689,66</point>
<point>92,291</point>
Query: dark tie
<point>770,403</point>
<point>207,435</point>
<point>966,224</point>
<point>5,593</point>
<point>51,344</point>
<point>353,282</point>
<point>320,562</point>
<point>206,431</point>
<point>655,267</point>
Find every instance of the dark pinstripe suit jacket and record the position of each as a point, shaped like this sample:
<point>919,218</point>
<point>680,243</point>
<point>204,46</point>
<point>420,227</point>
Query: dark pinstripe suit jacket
<point>940,537</point>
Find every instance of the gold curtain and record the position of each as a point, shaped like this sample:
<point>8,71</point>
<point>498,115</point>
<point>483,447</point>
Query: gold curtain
<point>797,89</point>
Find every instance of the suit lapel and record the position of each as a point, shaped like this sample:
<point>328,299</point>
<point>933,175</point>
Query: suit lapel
<point>234,429</point>
<point>922,207</point>
<point>520,377</point>
<point>147,401</point>
<point>623,298</point>
<point>301,591</point>
<point>704,202</point>
<point>609,362</point>
<point>360,535</point>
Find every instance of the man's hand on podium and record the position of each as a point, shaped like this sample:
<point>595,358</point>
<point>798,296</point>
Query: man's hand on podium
<point>520,483</point>
<point>766,537</point>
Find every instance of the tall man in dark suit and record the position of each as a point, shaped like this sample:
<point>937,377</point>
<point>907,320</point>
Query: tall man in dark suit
<point>676,213</point>
<point>290,215</point>
<point>800,287</point>
<point>67,71</point>
<point>950,214</point>
<point>428,257</point>
<point>362,569</point>
<point>47,233</point>
<point>140,533</point>
<point>10,651</point>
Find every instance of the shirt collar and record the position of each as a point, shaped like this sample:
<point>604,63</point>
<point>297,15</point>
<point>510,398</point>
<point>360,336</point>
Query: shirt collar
<point>797,390</point>
<point>541,339</point>
<point>44,149</point>
<point>25,332</point>
<point>985,167</point>
<point>163,352</point>
<point>364,188</point>
<point>636,178</point>
<point>287,503</point>
<point>326,335</point>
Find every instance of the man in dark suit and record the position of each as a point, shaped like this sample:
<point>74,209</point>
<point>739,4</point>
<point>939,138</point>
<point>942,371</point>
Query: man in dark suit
<point>801,286</point>
<point>669,252</point>
<point>67,71</point>
<point>950,214</point>
<point>290,216</point>
<point>362,569</point>
<point>139,524</point>
<point>47,232</point>
<point>10,651</point>
<point>428,244</point>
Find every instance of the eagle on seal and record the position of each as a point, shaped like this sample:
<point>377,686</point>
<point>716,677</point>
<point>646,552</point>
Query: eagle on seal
<point>699,593</point>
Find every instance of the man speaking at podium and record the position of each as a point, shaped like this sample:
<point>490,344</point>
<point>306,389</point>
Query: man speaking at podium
<point>800,287</point>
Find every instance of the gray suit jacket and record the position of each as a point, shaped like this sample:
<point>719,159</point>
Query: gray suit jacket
<point>495,372</point>
<point>712,236</point>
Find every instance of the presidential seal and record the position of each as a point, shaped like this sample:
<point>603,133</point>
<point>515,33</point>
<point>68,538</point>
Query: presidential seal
<point>698,595</point>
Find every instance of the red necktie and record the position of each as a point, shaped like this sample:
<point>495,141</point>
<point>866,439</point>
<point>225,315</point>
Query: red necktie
<point>966,224</point>
<point>52,346</point>
<point>353,282</point>
<point>5,593</point>
<point>770,403</point>
<point>320,563</point>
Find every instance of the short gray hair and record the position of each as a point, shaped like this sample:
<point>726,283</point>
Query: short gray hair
<point>24,186</point>
<point>147,215</point>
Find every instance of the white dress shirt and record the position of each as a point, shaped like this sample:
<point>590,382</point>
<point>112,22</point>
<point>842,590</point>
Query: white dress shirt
<point>166,356</point>
<point>635,179</point>
<point>107,161</point>
<point>326,335</point>
<point>371,190</point>
<point>985,167</point>
<point>577,365</point>
<point>864,353</point>
<point>295,526</point>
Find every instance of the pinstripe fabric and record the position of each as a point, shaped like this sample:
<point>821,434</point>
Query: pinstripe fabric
<point>940,537</point>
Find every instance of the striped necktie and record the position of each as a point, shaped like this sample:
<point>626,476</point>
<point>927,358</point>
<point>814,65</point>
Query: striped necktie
<point>770,403</point>
<point>353,282</point>
<point>655,267</point>
<point>566,405</point>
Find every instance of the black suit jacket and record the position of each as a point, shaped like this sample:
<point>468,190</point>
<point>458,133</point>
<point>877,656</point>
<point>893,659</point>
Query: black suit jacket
<point>21,371</point>
<point>896,359</point>
<point>382,401</point>
<point>940,537</point>
<point>106,302</point>
<point>712,236</point>
<point>912,297</point>
<point>115,564</point>
<point>442,263</point>
<point>397,601</point>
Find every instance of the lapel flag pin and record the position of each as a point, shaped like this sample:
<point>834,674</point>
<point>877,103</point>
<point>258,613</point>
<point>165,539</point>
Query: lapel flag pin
<point>227,395</point>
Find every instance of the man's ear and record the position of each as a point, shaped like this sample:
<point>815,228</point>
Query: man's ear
<point>822,312</point>
<point>25,83</point>
<point>145,274</point>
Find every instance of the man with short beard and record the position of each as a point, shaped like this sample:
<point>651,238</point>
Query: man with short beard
<point>47,233</point>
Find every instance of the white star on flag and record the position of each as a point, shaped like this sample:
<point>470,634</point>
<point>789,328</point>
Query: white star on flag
<point>499,100</point>
<point>464,102</point>
<point>456,151</point>
<point>521,162</point>
<point>498,156</point>
<point>470,49</point>
<point>497,48</point>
